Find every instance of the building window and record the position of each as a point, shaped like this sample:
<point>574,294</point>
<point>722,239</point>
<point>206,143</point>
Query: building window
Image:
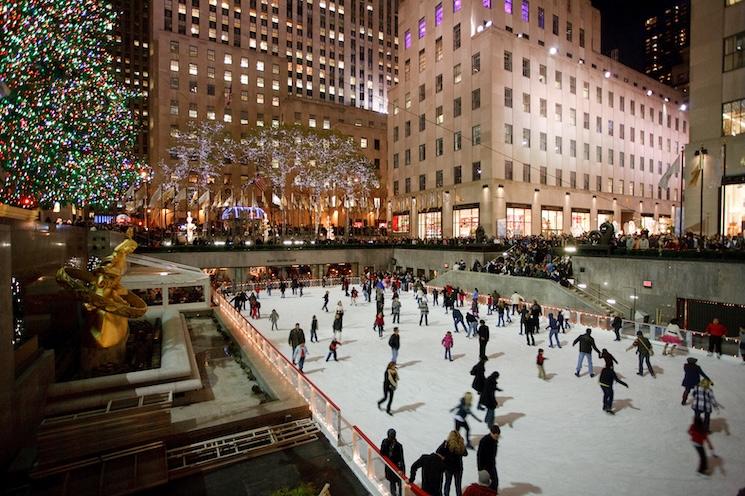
<point>438,83</point>
<point>422,152</point>
<point>508,170</point>
<point>508,134</point>
<point>174,65</point>
<point>555,25</point>
<point>543,175</point>
<point>558,112</point>
<point>507,61</point>
<point>407,185</point>
<point>543,141</point>
<point>456,36</point>
<point>507,5</point>
<point>400,223</point>
<point>476,99</point>
<point>422,182</point>
<point>541,18</point>
<point>734,52</point>
<point>430,225</point>
<point>438,147</point>
<point>407,39</point>
<point>526,138</point>
<point>465,222</point>
<point>476,171</point>
<point>438,14</point>
<point>552,221</point>
<point>508,97</point>
<point>543,107</point>
<point>525,11</point>
<point>422,28</point>
<point>518,221</point>
<point>457,107</point>
<point>526,67</point>
<point>439,115</point>
<point>557,80</point>
<point>476,135</point>
<point>407,156</point>
<point>438,179</point>
<point>457,76</point>
<point>526,173</point>
<point>733,118</point>
<point>457,174</point>
<point>475,62</point>
<point>580,221</point>
<point>457,141</point>
<point>456,5</point>
<point>558,148</point>
<point>526,103</point>
<point>422,60</point>
<point>422,122</point>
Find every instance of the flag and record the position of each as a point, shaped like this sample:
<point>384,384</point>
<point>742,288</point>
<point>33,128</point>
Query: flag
<point>204,199</point>
<point>259,182</point>
<point>672,169</point>
<point>156,197</point>
<point>228,201</point>
<point>696,170</point>
<point>181,195</point>
<point>276,200</point>
<point>168,193</point>
<point>194,198</point>
<point>218,200</point>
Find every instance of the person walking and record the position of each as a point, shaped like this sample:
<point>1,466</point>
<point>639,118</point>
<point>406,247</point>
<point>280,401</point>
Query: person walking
<point>700,438</point>
<point>447,343</point>
<point>616,324</point>
<point>644,351</point>
<point>453,450</point>
<point>586,345</point>
<point>297,337</point>
<point>395,343</point>
<point>692,374</point>
<point>487,398</point>
<point>390,383</point>
<point>423,311</point>
<point>672,337</point>
<point>378,324</point>
<point>478,372</point>
<point>325,301</point>
<point>332,349</point>
<point>392,450</point>
<point>516,299</point>
<point>486,455</point>
<point>433,467</point>
<point>458,319</point>
<point>703,402</point>
<point>481,488</point>
<point>607,378</point>
<point>462,411</point>
<point>539,359</point>
<point>273,318</point>
<point>483,338</point>
<point>396,310</point>
<point>609,359</point>
<point>553,331</point>
<point>314,330</point>
<point>299,355</point>
<point>473,324</point>
<point>716,332</point>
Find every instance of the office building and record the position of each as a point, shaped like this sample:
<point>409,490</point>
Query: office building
<point>666,45</point>
<point>507,116</point>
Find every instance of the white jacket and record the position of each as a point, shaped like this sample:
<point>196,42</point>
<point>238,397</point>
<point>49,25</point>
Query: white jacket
<point>516,298</point>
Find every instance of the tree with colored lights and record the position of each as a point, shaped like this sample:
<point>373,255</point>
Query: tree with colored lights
<point>66,132</point>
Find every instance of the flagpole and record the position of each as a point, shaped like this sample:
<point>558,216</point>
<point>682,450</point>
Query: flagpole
<point>680,198</point>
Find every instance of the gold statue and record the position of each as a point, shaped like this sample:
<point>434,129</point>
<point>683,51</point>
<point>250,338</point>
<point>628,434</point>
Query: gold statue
<point>109,305</point>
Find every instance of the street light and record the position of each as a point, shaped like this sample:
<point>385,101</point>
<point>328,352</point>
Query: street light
<point>146,177</point>
<point>700,153</point>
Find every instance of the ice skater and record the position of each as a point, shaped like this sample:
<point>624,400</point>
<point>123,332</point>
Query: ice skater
<point>390,383</point>
<point>473,324</point>
<point>553,331</point>
<point>516,299</point>
<point>479,377</point>
<point>433,467</point>
<point>299,356</point>
<point>395,343</point>
<point>672,337</point>
<point>314,330</point>
<point>453,450</point>
<point>530,324</point>
<point>703,402</point>
<point>607,378</point>
<point>273,318</point>
<point>483,338</point>
<point>378,324</point>
<point>500,314</point>
<point>539,359</point>
<point>423,311</point>
<point>447,343</point>
<point>487,399</point>
<point>325,301</point>
<point>586,345</point>
<point>609,359</point>
<point>392,449</point>
<point>458,319</point>
<point>396,310</point>
<point>297,337</point>
<point>616,325</point>
<point>355,293</point>
<point>336,326</point>
<point>700,438</point>
<point>692,374</point>
<point>332,349</point>
<point>462,411</point>
<point>644,351</point>
<point>486,455</point>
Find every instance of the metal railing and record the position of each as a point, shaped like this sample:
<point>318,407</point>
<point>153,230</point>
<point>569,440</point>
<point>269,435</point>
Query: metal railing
<point>360,453</point>
<point>307,283</point>
<point>598,296</point>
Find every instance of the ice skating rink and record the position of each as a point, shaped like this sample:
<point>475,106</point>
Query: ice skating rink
<point>556,440</point>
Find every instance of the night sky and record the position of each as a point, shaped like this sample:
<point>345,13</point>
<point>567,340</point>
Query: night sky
<point>623,27</point>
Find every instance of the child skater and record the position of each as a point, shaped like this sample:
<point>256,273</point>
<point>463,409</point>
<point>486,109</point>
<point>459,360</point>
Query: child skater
<point>332,349</point>
<point>300,353</point>
<point>539,362</point>
<point>447,342</point>
<point>700,437</point>
<point>607,378</point>
<point>379,324</point>
<point>553,331</point>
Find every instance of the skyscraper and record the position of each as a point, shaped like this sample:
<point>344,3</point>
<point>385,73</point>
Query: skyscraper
<point>666,43</point>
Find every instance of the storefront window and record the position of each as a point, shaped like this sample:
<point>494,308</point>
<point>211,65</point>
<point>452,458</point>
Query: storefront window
<point>400,223</point>
<point>733,200</point>
<point>649,224</point>
<point>518,221</point>
<point>465,222</point>
<point>151,296</point>
<point>665,224</point>
<point>551,221</point>
<point>580,222</point>
<point>430,224</point>
<point>604,217</point>
<point>186,294</point>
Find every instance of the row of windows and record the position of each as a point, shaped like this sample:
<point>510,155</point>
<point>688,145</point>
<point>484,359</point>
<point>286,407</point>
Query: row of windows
<point>734,52</point>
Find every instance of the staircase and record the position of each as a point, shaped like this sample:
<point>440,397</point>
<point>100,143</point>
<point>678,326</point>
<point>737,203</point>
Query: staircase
<point>598,298</point>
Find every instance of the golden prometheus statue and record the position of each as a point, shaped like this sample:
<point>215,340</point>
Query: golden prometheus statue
<point>108,304</point>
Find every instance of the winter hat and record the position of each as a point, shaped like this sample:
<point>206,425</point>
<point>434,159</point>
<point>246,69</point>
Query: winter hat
<point>484,478</point>
<point>692,360</point>
<point>495,429</point>
<point>391,433</point>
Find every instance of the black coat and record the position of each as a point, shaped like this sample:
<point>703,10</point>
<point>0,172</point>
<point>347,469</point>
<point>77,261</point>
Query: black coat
<point>432,466</point>
<point>487,394</point>
<point>453,462</point>
<point>486,454</point>
<point>484,332</point>
<point>394,341</point>
<point>395,453</point>
<point>478,371</point>
<point>586,344</point>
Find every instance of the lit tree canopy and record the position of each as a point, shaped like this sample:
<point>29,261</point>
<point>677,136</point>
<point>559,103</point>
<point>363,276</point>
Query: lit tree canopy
<point>203,150</point>
<point>66,132</point>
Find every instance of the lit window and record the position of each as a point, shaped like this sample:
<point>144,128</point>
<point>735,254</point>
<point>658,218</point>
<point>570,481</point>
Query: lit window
<point>407,39</point>
<point>438,14</point>
<point>260,65</point>
<point>193,69</point>
<point>228,59</point>
<point>363,142</point>
<point>228,76</point>
<point>422,27</point>
<point>456,5</point>
<point>507,6</point>
<point>174,65</point>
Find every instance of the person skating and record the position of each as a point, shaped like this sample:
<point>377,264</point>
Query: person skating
<point>644,351</point>
<point>483,338</point>
<point>332,349</point>
<point>297,337</point>
<point>462,411</point>
<point>671,336</point>
<point>453,450</point>
<point>314,330</point>
<point>378,324</point>
<point>500,314</point>
<point>586,345</point>
<point>282,288</point>
<point>481,488</point>
<point>486,455</point>
<point>435,297</point>
<point>433,468</point>
<point>273,318</point>
<point>325,301</point>
<point>516,300</point>
<point>489,304</point>
<point>390,383</point>
<point>700,438</point>
<point>473,325</point>
<point>478,372</point>
<point>553,331</point>
<point>355,293</point>
<point>692,374</point>
<point>487,398</point>
<point>423,311</point>
<point>299,355</point>
<point>560,320</point>
<point>607,378</point>
<point>396,310</point>
<point>716,332</point>
<point>395,343</point>
<point>535,313</point>
<point>447,343</point>
<point>524,317</point>
<point>529,330</point>
<point>609,359</point>
<point>336,326</point>
<point>458,319</point>
<point>704,401</point>
<point>616,325</point>
<point>394,452</point>
<point>539,359</point>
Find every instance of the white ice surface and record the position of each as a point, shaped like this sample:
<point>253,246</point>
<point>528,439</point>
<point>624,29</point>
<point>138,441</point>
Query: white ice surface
<point>556,440</point>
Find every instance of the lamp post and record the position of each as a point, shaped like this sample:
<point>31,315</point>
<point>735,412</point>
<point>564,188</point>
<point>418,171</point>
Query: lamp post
<point>700,153</point>
<point>145,176</point>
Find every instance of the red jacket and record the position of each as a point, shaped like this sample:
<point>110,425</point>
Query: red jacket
<point>479,490</point>
<point>718,330</point>
<point>697,436</point>
<point>539,359</point>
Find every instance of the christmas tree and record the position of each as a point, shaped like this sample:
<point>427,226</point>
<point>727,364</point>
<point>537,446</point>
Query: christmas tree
<point>66,132</point>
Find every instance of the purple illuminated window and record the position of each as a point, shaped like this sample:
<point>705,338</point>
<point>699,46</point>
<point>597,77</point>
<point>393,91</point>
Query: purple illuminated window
<point>486,4</point>
<point>541,18</point>
<point>438,14</point>
<point>422,28</point>
<point>456,5</point>
<point>525,11</point>
<point>507,6</point>
<point>407,39</point>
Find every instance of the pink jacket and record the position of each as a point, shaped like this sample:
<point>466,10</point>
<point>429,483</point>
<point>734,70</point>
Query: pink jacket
<point>447,341</point>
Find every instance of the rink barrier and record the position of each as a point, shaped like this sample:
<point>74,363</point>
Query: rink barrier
<point>360,453</point>
<point>307,283</point>
<point>692,340</point>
